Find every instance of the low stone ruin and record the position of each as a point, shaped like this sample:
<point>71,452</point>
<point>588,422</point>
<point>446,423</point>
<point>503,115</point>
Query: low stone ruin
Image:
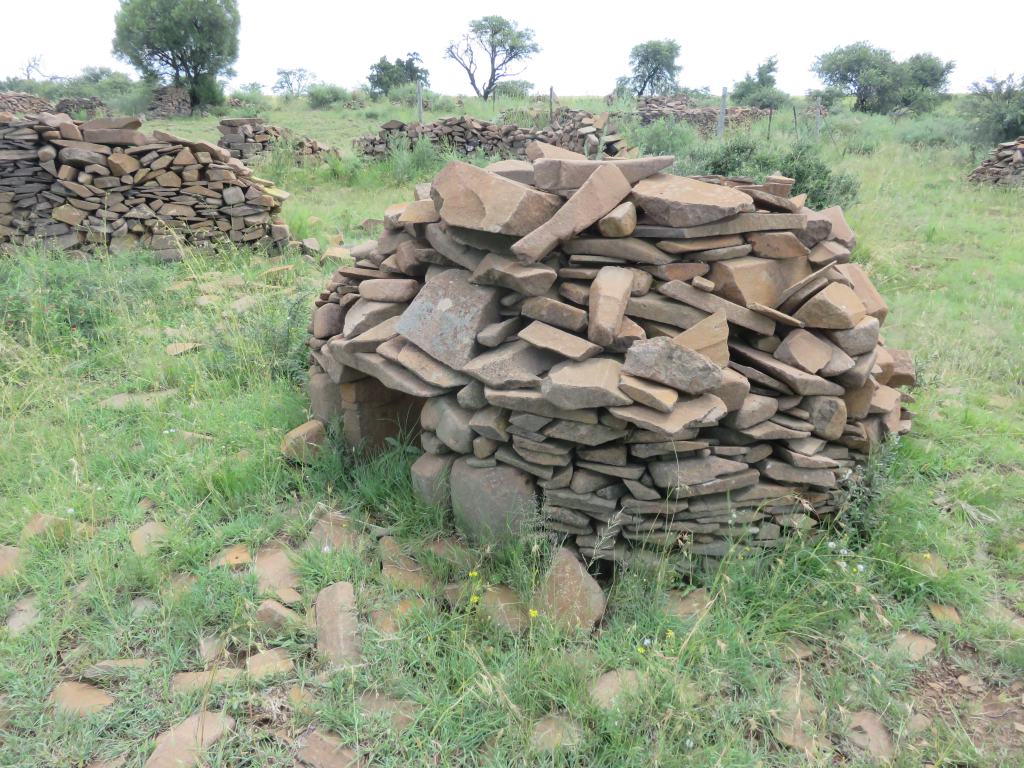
<point>704,119</point>
<point>22,103</point>
<point>246,138</point>
<point>103,183</point>
<point>1004,165</point>
<point>643,364</point>
<point>572,129</point>
<point>169,101</point>
<point>90,106</point>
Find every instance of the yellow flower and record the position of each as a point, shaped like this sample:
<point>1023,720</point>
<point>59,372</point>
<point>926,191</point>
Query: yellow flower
<point>474,599</point>
<point>669,634</point>
<point>641,650</point>
<point>533,613</point>
<point>473,574</point>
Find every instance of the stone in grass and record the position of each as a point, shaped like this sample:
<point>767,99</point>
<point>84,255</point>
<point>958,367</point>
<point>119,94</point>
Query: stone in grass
<point>274,618</point>
<point>43,526</point>
<point>798,720</point>
<point>554,732</point>
<point>868,733</point>
<point>275,574</point>
<point>492,504</point>
<point>318,749</point>
<point>185,682</point>
<point>685,606</point>
<point>79,698</point>
<point>400,570</point>
<point>178,348</point>
<point>302,444</point>
<point>126,400</point>
<point>235,556</point>
<point>337,625</point>
<point>944,613</point>
<point>183,745</point>
<point>149,537</point>
<point>275,661</point>
<point>613,688</point>
<point>10,560</point>
<point>23,615</point>
<point>568,596</point>
<point>400,713</point>
<point>505,609</point>
<point>388,621</point>
<point>114,669</point>
<point>913,645</point>
<point>333,532</point>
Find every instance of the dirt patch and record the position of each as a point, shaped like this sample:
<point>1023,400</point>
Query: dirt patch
<point>991,715</point>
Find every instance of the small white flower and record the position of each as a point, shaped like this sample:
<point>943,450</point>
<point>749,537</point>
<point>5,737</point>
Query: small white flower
<point>842,564</point>
<point>71,510</point>
<point>831,545</point>
<point>647,642</point>
<point>689,743</point>
<point>844,551</point>
<point>860,567</point>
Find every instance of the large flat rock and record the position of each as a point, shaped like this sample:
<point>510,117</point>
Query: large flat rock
<point>678,201</point>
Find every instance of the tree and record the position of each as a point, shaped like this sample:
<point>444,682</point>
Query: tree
<point>385,75</point>
<point>995,109</point>
<point>881,84</point>
<point>654,68</point>
<point>500,43</point>
<point>293,82</point>
<point>759,89</point>
<point>189,42</point>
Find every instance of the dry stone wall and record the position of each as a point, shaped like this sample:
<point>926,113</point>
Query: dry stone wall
<point>104,183</point>
<point>575,130</point>
<point>641,363</point>
<point>22,103</point>
<point>1004,165</point>
<point>704,119</point>
<point>246,138</point>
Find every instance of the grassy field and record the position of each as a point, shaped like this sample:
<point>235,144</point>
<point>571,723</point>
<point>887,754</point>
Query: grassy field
<point>942,524</point>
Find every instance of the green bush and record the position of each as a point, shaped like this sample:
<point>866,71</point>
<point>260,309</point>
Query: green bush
<point>252,99</point>
<point>933,131</point>
<point>322,95</point>
<point>995,110</point>
<point>209,92</point>
<point>663,137</point>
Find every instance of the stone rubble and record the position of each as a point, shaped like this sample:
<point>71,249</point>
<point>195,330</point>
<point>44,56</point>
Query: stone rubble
<point>712,376</point>
<point>1004,165</point>
<point>246,138</point>
<point>704,119</point>
<point>104,184</point>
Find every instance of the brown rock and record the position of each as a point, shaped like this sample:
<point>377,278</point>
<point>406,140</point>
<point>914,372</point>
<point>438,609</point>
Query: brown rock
<point>834,307</point>
<point>619,222</point>
<point>548,337</point>
<point>183,745</point>
<point>609,296</point>
<point>668,363</point>
<point>302,444</point>
<point>399,569</point>
<point>492,505</point>
<point>527,279</point>
<point>648,393</point>
<point>559,174</point>
<point>569,596</point>
<point>470,197</point>
<point>600,193</point>
<point>612,689</point>
<point>776,245</point>
<point>385,290</point>
<point>677,201</point>
<point>503,606</point>
<point>275,661</point>
<point>149,537</point>
<point>79,698</point>
<point>591,383</point>
<point>274,618</point>
<point>686,413</point>
<point>554,732</point>
<point>185,682</point>
<point>709,337</point>
<point>275,574</point>
<point>868,733</point>
<point>321,750</point>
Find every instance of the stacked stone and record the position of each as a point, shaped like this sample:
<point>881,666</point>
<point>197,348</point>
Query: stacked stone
<point>248,137</point>
<point>669,365</point>
<point>104,183</point>
<point>22,103</point>
<point>90,106</point>
<point>704,119</point>
<point>169,101</point>
<point>1004,165</point>
<point>575,130</point>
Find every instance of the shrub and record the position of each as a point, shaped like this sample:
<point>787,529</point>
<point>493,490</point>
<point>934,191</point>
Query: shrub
<point>663,137</point>
<point>208,91</point>
<point>995,109</point>
<point>321,95</point>
<point>933,131</point>
<point>251,98</point>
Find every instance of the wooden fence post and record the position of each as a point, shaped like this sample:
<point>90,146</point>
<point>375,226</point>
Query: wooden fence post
<point>419,101</point>
<point>720,128</point>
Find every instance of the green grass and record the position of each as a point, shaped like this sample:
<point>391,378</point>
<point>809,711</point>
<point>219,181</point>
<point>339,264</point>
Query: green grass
<point>949,259</point>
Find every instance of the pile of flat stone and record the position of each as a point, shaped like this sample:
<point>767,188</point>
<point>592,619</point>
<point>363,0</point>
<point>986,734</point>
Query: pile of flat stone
<point>704,119</point>
<point>103,183</point>
<point>90,106</point>
<point>642,363</point>
<point>1004,165</point>
<point>572,129</point>
<point>248,137</point>
<point>169,101</point>
<point>22,103</point>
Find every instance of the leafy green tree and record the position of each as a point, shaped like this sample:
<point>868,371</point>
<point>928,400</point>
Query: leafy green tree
<point>759,89</point>
<point>189,42</point>
<point>879,83</point>
<point>385,75</point>
<point>654,69</point>
<point>293,82</point>
<point>496,41</point>
<point>995,109</point>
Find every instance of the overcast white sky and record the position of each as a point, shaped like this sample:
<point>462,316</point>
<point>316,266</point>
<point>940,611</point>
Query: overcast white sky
<point>584,46</point>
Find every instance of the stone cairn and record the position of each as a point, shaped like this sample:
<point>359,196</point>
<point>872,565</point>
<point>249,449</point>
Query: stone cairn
<point>104,183</point>
<point>90,106</point>
<point>703,119</point>
<point>248,137</point>
<point>1003,166</point>
<point>572,129</point>
<point>169,101</point>
<point>671,365</point>
<point>23,103</point>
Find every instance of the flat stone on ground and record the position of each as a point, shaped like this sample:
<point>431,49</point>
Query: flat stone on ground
<point>183,745</point>
<point>612,688</point>
<point>80,698</point>
<point>569,596</point>
<point>554,732</point>
<point>337,625</point>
